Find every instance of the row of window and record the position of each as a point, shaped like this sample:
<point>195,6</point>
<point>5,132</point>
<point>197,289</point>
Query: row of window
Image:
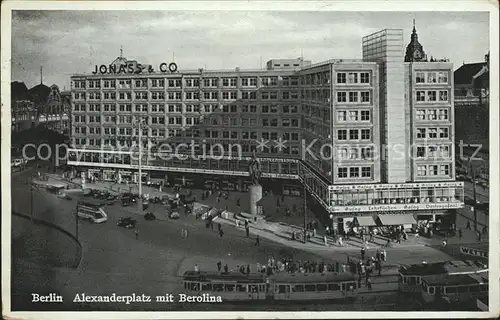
<point>353,96</point>
<point>177,95</point>
<point>433,133</point>
<point>355,153</point>
<point>432,96</point>
<point>353,77</point>
<point>353,115</point>
<point>433,170</point>
<point>353,134</point>
<point>431,77</point>
<point>190,83</point>
<point>433,152</point>
<point>354,172</point>
<point>432,114</point>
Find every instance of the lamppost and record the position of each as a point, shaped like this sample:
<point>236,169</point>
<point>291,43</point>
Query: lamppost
<point>305,213</point>
<point>474,192</point>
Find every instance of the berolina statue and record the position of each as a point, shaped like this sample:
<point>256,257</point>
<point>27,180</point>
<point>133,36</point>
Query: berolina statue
<point>254,169</point>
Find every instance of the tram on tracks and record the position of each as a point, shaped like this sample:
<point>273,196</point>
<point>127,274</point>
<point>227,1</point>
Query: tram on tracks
<point>410,276</point>
<point>279,287</point>
<point>454,288</point>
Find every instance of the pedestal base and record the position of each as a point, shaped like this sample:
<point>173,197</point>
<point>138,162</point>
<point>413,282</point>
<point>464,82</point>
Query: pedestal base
<point>255,193</point>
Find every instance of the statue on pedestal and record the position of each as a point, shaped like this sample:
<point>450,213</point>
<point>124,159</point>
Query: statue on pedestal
<point>254,169</point>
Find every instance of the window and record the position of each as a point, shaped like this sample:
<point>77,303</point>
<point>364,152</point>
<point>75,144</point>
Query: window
<point>444,170</point>
<point>365,115</point>
<point>353,96</point>
<point>420,95</point>
<point>420,114</point>
<point>365,134</point>
<point>341,115</point>
<point>341,77</point>
<point>354,172</point>
<point>432,151</point>
<point>365,96</point>
<point>420,77</point>
<point>433,170</point>
<point>341,134</point>
<point>353,116</point>
<point>444,151</point>
<point>353,134</point>
<point>341,96</point>
<point>366,172</point>
<point>443,95</point>
<point>432,133</point>
<point>443,114</point>
<point>443,77</point>
<point>443,133</point>
<point>342,172</point>
<point>421,133</point>
<point>431,95</point>
<point>431,114</point>
<point>352,77</point>
<point>365,77</point>
<point>421,170</point>
<point>431,77</point>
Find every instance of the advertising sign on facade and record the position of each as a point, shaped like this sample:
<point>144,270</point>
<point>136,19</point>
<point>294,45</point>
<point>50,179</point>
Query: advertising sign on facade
<point>474,252</point>
<point>450,184</point>
<point>394,207</point>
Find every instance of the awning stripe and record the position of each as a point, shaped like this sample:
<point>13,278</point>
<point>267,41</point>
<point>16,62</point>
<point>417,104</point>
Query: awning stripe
<point>396,219</point>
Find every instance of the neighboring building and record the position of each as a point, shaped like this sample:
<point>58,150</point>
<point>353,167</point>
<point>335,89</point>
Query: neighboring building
<point>51,107</point>
<point>472,103</point>
<point>22,108</point>
<point>286,64</point>
<point>367,137</point>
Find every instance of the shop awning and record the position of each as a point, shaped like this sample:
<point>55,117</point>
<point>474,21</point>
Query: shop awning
<point>396,219</point>
<point>364,221</point>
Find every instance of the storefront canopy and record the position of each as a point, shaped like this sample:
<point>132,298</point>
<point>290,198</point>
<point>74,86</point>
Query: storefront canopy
<point>396,219</point>
<point>364,221</point>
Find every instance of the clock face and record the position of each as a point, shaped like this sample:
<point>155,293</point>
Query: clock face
<point>417,54</point>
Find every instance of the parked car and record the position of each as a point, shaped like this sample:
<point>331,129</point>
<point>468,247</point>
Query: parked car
<point>126,222</point>
<point>174,215</point>
<point>149,216</point>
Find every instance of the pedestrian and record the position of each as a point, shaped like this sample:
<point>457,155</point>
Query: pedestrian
<point>226,268</point>
<point>371,236</point>
<point>136,234</point>
<point>377,255</point>
<point>340,242</point>
<point>363,251</point>
<point>196,269</point>
<point>378,264</point>
<point>257,241</point>
<point>444,243</point>
<point>399,238</point>
<point>388,243</point>
<point>383,254</point>
<point>221,233</point>
<point>238,202</point>
<point>369,283</point>
<point>479,236</point>
<point>211,224</point>
<point>325,240</point>
<point>248,269</point>
<point>219,226</point>
<point>219,265</point>
<point>182,233</point>
<point>467,227</point>
<point>247,231</point>
<point>485,229</point>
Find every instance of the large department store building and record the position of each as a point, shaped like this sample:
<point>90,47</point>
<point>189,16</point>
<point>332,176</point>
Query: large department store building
<point>369,139</point>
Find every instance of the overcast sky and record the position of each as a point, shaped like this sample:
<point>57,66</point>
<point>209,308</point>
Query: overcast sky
<point>68,42</point>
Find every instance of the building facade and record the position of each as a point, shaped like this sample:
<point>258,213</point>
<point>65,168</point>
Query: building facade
<point>365,137</point>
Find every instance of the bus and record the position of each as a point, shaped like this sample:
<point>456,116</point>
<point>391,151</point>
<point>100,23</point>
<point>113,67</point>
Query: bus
<point>91,210</point>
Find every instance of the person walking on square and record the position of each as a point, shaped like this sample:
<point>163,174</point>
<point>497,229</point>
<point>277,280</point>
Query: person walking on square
<point>467,227</point>
<point>248,269</point>
<point>247,230</point>
<point>363,251</point>
<point>460,233</point>
<point>485,229</point>
<point>136,234</point>
<point>221,233</point>
<point>226,268</point>
<point>219,265</point>
<point>383,255</point>
<point>257,241</point>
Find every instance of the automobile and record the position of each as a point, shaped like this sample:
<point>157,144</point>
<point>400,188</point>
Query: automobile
<point>63,195</point>
<point>149,216</point>
<point>156,200</point>
<point>126,222</point>
<point>174,215</point>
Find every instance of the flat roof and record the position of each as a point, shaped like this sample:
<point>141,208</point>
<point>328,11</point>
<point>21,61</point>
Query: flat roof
<point>450,280</point>
<point>436,268</point>
<point>313,277</point>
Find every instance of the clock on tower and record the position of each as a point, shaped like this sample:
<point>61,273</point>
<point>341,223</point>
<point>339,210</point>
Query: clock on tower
<point>417,54</point>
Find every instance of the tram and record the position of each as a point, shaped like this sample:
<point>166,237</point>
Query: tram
<point>410,276</point>
<point>454,289</point>
<point>280,287</point>
<point>314,286</point>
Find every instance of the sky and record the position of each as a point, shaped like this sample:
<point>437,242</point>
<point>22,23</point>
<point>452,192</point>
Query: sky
<point>70,42</point>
